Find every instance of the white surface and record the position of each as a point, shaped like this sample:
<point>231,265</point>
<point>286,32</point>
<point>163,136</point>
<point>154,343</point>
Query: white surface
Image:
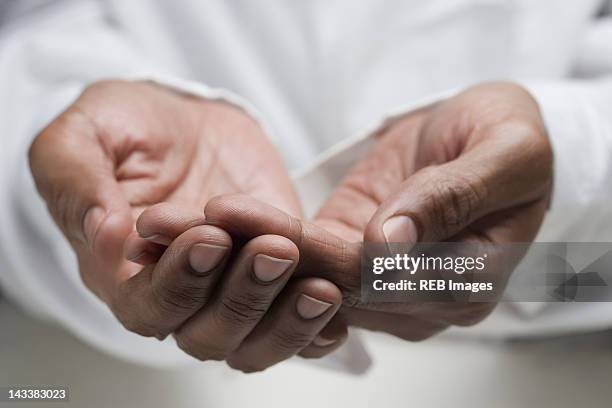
<point>437,373</point>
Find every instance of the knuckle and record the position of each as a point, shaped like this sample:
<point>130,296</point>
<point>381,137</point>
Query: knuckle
<point>516,129</point>
<point>36,149</point>
<point>139,326</point>
<point>416,337</point>
<point>290,340</point>
<point>343,263</point>
<point>417,330</point>
<point>455,200</point>
<point>296,230</point>
<point>537,150</point>
<point>350,278</point>
<point>246,367</point>
<point>418,333</point>
<point>179,298</point>
<point>536,153</point>
<point>309,354</point>
<point>134,319</point>
<point>58,142</point>
<point>104,85</point>
<point>351,299</point>
<point>198,348</point>
<point>242,309</point>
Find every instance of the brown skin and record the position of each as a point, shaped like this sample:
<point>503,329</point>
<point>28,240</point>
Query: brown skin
<point>123,147</point>
<point>476,167</point>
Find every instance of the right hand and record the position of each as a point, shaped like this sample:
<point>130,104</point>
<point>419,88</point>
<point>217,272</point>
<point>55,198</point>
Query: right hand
<point>475,168</point>
<point>122,147</point>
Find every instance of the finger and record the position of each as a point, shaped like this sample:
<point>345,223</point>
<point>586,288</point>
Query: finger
<point>162,296</point>
<point>328,340</point>
<point>518,224</point>
<point>82,193</point>
<point>162,223</point>
<point>253,281</point>
<point>439,201</point>
<point>142,251</point>
<point>322,254</point>
<point>156,227</point>
<point>291,325</point>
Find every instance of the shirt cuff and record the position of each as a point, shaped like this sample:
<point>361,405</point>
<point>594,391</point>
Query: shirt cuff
<point>581,152</point>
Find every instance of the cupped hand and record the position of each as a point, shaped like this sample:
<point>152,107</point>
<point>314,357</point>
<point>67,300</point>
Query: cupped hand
<point>123,146</point>
<point>476,167</point>
<point>242,304</point>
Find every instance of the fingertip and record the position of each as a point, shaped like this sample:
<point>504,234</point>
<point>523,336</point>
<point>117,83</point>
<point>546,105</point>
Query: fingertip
<point>204,234</point>
<point>246,216</point>
<point>374,230</point>
<point>272,256</point>
<point>334,332</point>
<point>141,251</point>
<point>219,204</point>
<point>223,209</point>
<point>321,290</point>
<point>150,217</point>
<point>329,339</point>
<point>163,222</point>
<point>274,246</point>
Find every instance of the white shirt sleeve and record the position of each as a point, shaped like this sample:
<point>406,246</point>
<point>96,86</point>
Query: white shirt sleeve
<point>46,58</point>
<point>577,115</point>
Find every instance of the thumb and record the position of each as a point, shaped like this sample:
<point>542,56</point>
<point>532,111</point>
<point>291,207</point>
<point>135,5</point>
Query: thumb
<point>439,201</point>
<point>75,176</point>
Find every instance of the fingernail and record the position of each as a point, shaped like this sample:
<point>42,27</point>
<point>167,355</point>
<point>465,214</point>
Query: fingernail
<point>159,239</point>
<point>204,257</point>
<point>268,268</point>
<point>321,341</point>
<point>400,229</point>
<point>309,307</point>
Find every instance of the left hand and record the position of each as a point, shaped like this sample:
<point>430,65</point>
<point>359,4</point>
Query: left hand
<point>122,147</point>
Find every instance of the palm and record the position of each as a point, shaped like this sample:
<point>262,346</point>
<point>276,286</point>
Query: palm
<point>430,137</point>
<point>372,180</point>
<point>185,150</point>
<point>167,147</point>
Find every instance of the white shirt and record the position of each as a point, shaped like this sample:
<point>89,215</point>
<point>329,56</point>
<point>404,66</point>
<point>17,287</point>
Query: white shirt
<point>317,73</point>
